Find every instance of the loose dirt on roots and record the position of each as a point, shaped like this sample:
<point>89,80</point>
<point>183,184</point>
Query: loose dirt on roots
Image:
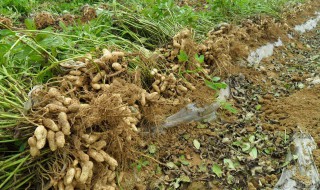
<point>274,100</point>
<point>108,122</point>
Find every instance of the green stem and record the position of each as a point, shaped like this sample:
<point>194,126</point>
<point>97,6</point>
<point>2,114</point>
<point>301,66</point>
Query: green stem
<point>14,172</point>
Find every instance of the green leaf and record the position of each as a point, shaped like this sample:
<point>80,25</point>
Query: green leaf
<point>258,107</point>
<point>4,48</point>
<point>254,153</point>
<point>216,86</point>
<point>245,146</point>
<point>237,143</point>
<point>196,144</point>
<point>183,160</point>
<point>6,32</point>
<point>252,138</point>
<point>145,163</point>
<point>30,24</point>
<point>158,170</point>
<point>230,179</point>
<point>229,163</point>
<point>184,178</point>
<point>217,170</point>
<point>228,107</point>
<point>176,184</point>
<point>215,79</point>
<point>201,126</point>
<point>152,148</point>
<point>200,58</point>
<point>186,136</point>
<point>52,41</point>
<point>183,57</point>
<point>203,167</point>
<point>267,151</point>
<point>171,165</point>
<point>63,26</point>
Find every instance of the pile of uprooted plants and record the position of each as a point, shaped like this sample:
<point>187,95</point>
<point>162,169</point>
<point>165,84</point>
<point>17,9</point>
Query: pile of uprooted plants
<point>90,116</point>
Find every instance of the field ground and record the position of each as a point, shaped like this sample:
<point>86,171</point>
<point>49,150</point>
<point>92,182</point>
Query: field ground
<point>109,76</point>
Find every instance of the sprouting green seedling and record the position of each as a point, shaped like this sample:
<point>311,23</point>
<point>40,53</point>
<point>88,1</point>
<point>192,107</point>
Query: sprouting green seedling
<point>200,58</point>
<point>140,164</point>
<point>183,57</point>
<point>215,84</point>
<point>183,160</point>
<point>258,107</point>
<point>227,106</point>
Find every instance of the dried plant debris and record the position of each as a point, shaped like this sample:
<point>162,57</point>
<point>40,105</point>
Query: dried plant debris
<point>43,20</point>
<point>94,116</point>
<point>5,22</point>
<point>93,111</point>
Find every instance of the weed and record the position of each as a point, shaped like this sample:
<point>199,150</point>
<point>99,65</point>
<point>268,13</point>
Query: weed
<point>183,57</point>
<point>227,106</point>
<point>200,58</point>
<point>140,164</point>
<point>215,84</point>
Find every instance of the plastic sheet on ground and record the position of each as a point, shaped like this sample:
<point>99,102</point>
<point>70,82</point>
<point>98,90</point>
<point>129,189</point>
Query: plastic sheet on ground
<point>303,174</point>
<point>31,100</point>
<point>256,56</point>
<point>309,25</point>
<point>192,113</point>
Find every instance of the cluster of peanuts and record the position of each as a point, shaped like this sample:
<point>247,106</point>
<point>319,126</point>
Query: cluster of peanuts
<point>52,130</point>
<point>94,77</point>
<point>220,29</point>
<point>98,84</point>
<point>86,165</point>
<point>169,85</point>
<point>180,42</point>
<point>55,130</point>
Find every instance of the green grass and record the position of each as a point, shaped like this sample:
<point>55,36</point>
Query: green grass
<point>13,153</point>
<point>29,57</point>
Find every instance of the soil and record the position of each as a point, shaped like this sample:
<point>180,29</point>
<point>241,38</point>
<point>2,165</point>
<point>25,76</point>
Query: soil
<point>243,150</point>
<point>274,99</point>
